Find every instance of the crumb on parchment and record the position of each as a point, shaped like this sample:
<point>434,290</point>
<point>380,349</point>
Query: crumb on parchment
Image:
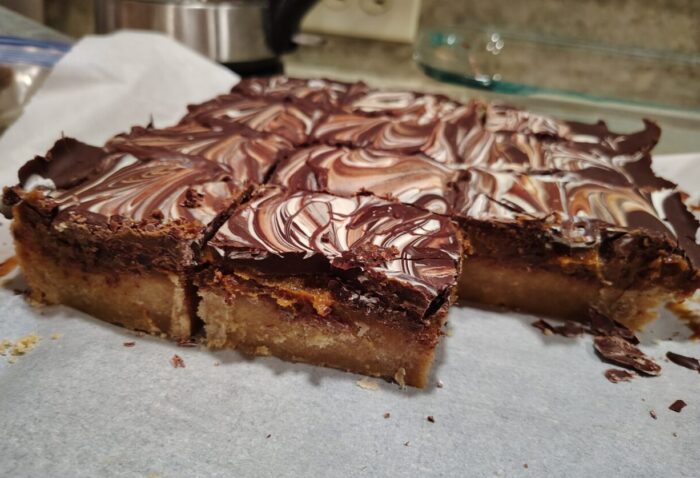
<point>56,336</point>
<point>400,377</point>
<point>366,383</point>
<point>19,347</point>
<point>177,362</point>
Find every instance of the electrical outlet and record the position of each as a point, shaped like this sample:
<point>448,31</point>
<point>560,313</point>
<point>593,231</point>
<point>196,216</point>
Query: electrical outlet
<point>388,20</point>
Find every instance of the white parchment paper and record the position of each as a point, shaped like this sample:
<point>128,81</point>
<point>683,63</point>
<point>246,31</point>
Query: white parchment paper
<point>513,403</point>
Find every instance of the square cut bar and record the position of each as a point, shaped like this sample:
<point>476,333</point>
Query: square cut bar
<point>114,234</point>
<point>564,242</point>
<point>355,283</point>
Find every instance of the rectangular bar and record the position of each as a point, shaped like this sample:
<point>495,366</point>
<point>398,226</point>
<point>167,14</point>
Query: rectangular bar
<point>355,283</point>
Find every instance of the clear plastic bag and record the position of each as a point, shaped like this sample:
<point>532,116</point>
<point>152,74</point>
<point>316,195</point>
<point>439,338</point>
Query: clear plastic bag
<point>24,64</point>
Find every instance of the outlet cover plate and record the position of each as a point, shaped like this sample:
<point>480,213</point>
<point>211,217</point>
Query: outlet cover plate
<point>387,20</point>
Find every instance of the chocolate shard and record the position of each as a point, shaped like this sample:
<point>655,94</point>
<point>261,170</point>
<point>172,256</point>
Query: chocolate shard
<point>567,329</point>
<point>684,361</point>
<point>616,375</point>
<point>677,406</point>
<point>600,324</point>
<point>543,326</point>
<point>616,350</point>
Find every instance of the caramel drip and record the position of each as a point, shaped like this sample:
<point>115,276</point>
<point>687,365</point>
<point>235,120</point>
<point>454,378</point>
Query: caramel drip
<point>8,265</point>
<point>690,318</point>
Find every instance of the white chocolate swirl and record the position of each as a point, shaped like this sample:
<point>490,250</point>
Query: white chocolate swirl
<point>175,188</point>
<point>293,121</point>
<point>410,179</point>
<point>250,155</point>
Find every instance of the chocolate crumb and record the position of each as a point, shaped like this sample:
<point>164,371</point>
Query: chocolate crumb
<point>688,362</point>
<point>617,350</point>
<point>653,414</point>
<point>431,419</point>
<point>675,434</point>
<point>615,375</point>
<point>567,329</point>
<point>367,255</point>
<point>543,326</point>
<point>387,415</point>
<point>600,324</point>
<point>177,362</point>
<point>129,344</point>
<point>677,406</point>
<point>192,199</point>
<point>525,465</point>
<point>268,435</point>
<point>439,384</point>
<point>406,444</point>
<point>400,377</point>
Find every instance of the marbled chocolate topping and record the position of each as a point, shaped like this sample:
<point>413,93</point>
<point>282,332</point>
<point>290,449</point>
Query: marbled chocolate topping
<point>293,120</point>
<point>410,179</point>
<point>97,185</point>
<point>322,93</point>
<point>519,152</point>
<point>506,119</point>
<point>438,140</point>
<point>576,206</point>
<point>249,154</point>
<point>337,230</point>
<point>410,106</point>
<point>167,187</point>
<point>581,183</point>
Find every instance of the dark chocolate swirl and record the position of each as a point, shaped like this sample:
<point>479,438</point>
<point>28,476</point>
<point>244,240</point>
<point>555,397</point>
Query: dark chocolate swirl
<point>576,206</point>
<point>410,179</point>
<point>424,247</point>
<point>506,119</point>
<point>167,187</point>
<point>520,153</point>
<point>292,120</point>
<point>248,153</point>
<point>437,140</point>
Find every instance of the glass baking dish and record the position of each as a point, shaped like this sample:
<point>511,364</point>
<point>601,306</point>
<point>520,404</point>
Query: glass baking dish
<point>532,65</point>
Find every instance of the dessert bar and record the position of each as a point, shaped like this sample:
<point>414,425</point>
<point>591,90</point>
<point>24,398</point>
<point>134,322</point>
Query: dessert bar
<point>334,224</point>
<point>356,283</point>
<point>564,242</point>
<point>113,234</point>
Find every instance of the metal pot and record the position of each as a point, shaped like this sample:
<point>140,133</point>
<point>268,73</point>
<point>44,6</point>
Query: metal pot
<point>246,35</point>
